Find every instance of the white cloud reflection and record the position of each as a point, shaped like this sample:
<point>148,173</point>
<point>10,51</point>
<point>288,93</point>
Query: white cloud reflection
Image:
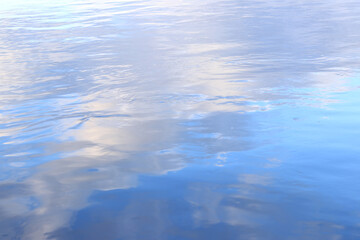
<point>96,95</point>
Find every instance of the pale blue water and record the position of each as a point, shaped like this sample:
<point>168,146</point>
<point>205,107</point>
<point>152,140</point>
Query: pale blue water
<point>180,120</point>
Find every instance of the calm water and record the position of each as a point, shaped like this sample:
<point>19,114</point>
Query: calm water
<point>180,120</point>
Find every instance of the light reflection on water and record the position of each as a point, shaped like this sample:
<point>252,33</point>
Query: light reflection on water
<point>179,120</point>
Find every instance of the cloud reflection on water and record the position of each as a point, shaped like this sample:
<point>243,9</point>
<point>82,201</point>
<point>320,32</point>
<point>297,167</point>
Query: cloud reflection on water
<point>95,96</point>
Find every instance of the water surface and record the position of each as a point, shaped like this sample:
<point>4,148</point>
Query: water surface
<point>179,120</point>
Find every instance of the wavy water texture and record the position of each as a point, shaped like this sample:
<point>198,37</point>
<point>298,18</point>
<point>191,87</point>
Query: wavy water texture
<point>179,119</point>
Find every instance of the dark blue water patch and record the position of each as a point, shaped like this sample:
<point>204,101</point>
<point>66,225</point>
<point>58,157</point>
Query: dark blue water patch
<point>164,207</point>
<point>151,196</point>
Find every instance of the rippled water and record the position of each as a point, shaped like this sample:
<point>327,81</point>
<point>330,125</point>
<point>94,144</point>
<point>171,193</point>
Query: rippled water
<point>179,119</point>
